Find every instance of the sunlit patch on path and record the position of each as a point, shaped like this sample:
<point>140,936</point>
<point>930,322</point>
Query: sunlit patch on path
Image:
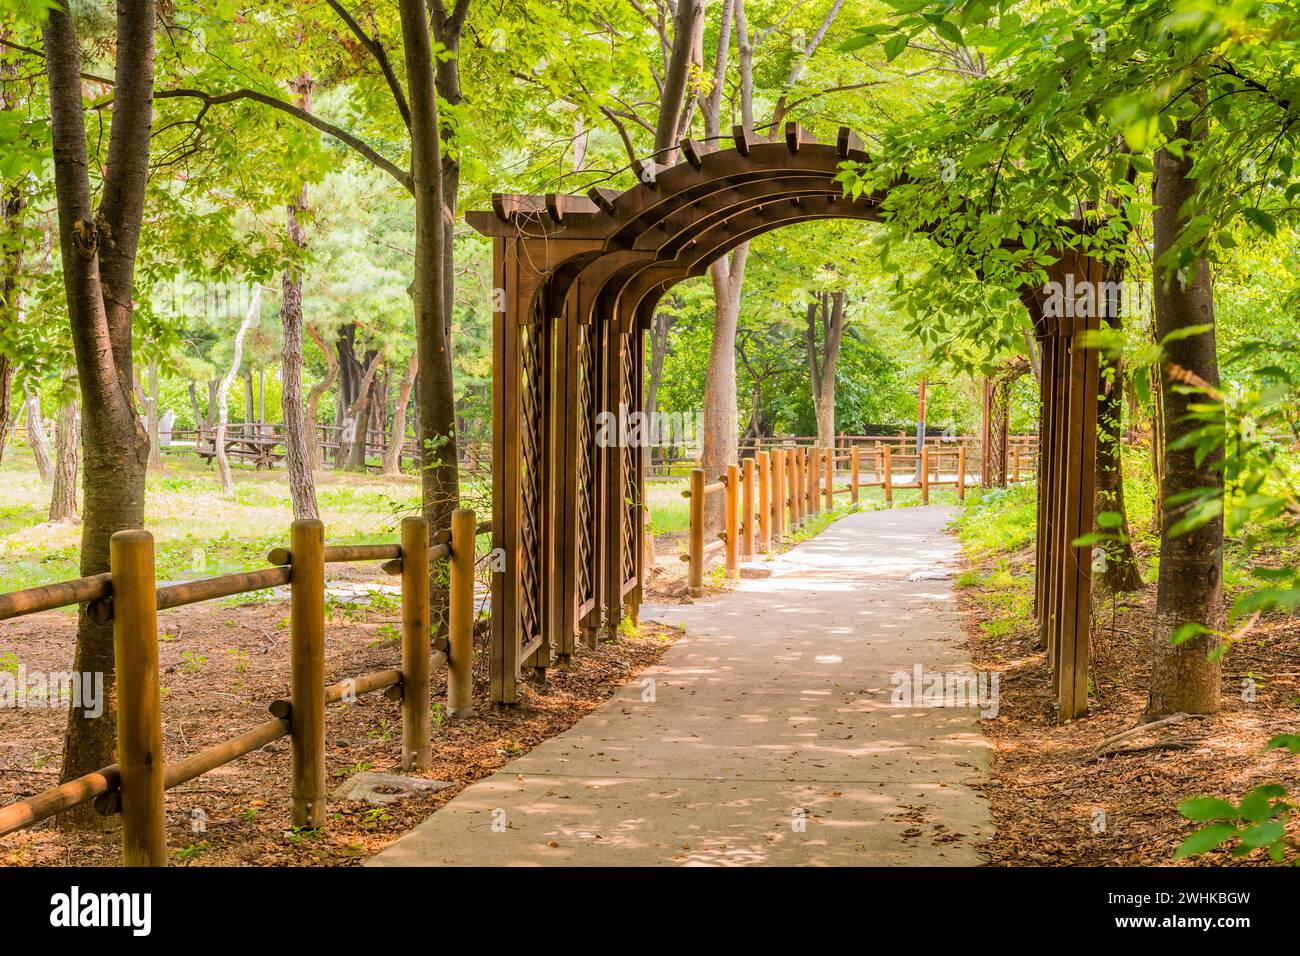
<point>767,735</point>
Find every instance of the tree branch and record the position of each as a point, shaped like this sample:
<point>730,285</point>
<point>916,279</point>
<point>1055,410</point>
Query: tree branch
<point>342,135</point>
<point>376,50</point>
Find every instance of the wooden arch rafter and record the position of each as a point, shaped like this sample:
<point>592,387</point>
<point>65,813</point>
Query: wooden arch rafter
<point>578,279</point>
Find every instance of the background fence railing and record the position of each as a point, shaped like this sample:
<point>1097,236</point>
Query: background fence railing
<point>779,489</point>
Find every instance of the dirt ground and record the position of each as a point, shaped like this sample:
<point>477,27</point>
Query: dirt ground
<point>220,666</point>
<point>1049,785</point>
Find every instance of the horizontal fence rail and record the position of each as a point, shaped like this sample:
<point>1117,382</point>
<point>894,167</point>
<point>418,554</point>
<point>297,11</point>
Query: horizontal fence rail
<point>127,595</point>
<point>778,489</point>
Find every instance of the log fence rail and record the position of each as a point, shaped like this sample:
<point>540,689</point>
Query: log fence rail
<point>128,596</point>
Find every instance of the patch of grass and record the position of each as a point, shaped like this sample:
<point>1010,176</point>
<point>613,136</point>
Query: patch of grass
<point>998,520</point>
<point>198,532</point>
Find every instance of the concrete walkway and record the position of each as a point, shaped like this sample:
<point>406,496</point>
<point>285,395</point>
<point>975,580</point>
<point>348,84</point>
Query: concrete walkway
<point>767,734</point>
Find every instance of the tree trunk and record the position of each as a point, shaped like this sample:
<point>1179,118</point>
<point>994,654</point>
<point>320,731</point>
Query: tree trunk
<point>663,324</point>
<point>6,401</point>
<point>12,204</point>
<point>1183,677</point>
<point>315,457</point>
<point>98,249</point>
<point>195,411</point>
<point>359,413</point>
<point>63,496</point>
<point>728,275</point>
<point>297,439</point>
<point>37,440</point>
<point>210,420</point>
<point>393,454</point>
<point>440,482</point>
<point>223,394</point>
<point>822,374</point>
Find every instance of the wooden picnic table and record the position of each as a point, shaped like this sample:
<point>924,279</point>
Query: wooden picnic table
<point>260,451</point>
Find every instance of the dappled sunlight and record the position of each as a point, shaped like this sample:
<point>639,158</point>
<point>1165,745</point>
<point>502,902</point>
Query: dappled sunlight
<point>768,733</point>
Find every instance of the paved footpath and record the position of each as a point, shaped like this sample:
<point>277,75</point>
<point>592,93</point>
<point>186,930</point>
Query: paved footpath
<point>768,735</point>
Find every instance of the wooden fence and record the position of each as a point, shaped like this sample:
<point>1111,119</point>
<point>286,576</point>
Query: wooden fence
<point>780,488</point>
<point>128,596</point>
<point>1022,450</point>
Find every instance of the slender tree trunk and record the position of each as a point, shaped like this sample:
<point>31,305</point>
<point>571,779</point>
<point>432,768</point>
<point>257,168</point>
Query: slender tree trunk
<point>37,440</point>
<point>663,324</point>
<point>1183,676</point>
<point>63,496</point>
<point>440,486</point>
<point>360,415</point>
<point>728,275</point>
<point>297,440</point>
<point>210,420</point>
<point>98,250</point>
<point>6,401</point>
<point>393,454</point>
<point>223,394</point>
<point>832,336</point>
<point>822,374</point>
<point>195,411</point>
<point>12,204</point>
<point>317,392</point>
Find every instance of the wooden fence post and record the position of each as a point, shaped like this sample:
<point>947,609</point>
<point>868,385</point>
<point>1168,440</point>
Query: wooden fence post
<point>812,496</point>
<point>695,540</point>
<point>961,472</point>
<point>731,534</point>
<point>830,479</point>
<point>791,491</point>
<point>417,748</point>
<point>925,475</point>
<point>747,531</point>
<point>307,677</point>
<point>764,501</point>
<point>796,489</point>
<point>889,479</point>
<point>778,494</point>
<point>854,474</point>
<point>460,618</point>
<point>139,717</point>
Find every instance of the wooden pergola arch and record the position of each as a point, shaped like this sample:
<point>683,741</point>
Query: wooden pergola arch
<point>577,281</point>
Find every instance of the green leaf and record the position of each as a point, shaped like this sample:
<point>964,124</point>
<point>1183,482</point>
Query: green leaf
<point>1204,840</point>
<point>1290,742</point>
<point>894,46</point>
<point>950,32</point>
<point>1186,632</point>
<point>1263,834</point>
<point>1201,809</point>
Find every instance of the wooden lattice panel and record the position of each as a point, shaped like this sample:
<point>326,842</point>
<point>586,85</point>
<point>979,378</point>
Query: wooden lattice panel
<point>532,484</point>
<point>586,477</point>
<point>631,493</point>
